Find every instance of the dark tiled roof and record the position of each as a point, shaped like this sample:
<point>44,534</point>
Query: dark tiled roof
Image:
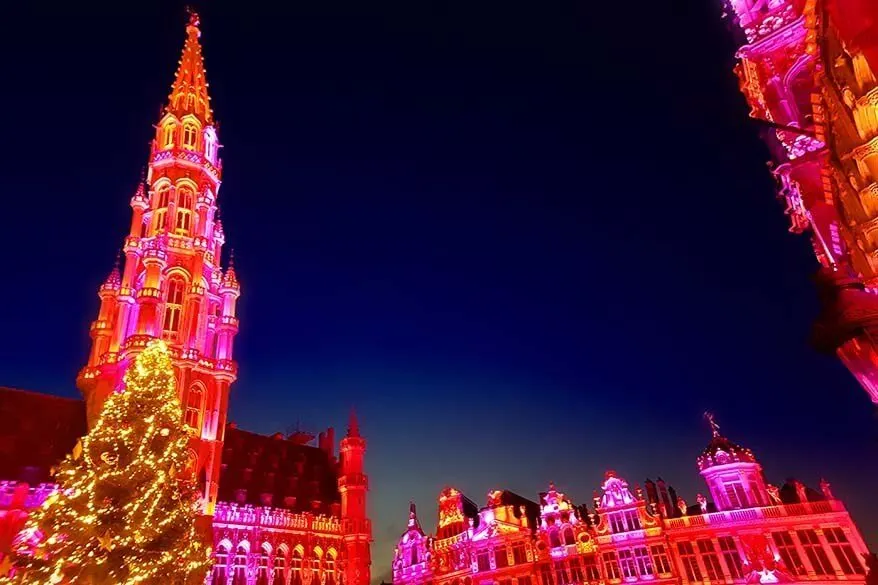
<point>37,432</point>
<point>275,471</point>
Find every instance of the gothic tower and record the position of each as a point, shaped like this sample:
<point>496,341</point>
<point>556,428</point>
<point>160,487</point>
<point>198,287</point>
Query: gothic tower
<point>172,285</point>
<point>353,485</point>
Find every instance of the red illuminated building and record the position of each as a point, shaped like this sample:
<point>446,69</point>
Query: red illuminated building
<point>808,71</point>
<point>282,510</point>
<point>747,531</point>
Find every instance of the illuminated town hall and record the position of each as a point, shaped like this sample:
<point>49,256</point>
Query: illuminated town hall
<point>282,509</point>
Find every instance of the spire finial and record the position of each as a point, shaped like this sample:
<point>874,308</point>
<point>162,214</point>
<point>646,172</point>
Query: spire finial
<point>353,424</point>
<point>189,90</point>
<point>711,420</point>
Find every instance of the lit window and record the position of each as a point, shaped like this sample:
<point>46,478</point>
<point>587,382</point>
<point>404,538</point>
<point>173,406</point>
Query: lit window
<point>263,571</point>
<point>280,565</point>
<point>162,196</point>
<point>710,560</point>
<point>690,563</point>
<point>568,536</point>
<point>189,134</point>
<point>174,305</point>
<point>815,552</point>
<point>660,559</point>
<point>209,148</point>
<point>183,223</point>
<point>193,407</point>
<point>329,566</point>
<point>844,553</point>
<point>239,571</point>
<point>626,559</point>
<point>731,556</point>
<point>611,566</point>
<point>788,553</point>
<point>644,564</point>
<point>220,565</point>
<point>168,135</point>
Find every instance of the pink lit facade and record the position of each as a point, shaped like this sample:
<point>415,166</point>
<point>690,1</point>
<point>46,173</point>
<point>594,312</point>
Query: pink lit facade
<point>807,69</point>
<point>748,531</point>
<point>281,510</point>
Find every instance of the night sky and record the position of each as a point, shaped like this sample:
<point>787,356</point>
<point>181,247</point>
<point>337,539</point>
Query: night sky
<point>528,243</point>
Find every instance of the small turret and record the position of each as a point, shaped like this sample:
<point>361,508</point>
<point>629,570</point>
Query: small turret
<point>732,473</point>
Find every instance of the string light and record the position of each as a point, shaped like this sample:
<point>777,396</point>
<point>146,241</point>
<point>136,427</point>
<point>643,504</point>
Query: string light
<point>126,509</point>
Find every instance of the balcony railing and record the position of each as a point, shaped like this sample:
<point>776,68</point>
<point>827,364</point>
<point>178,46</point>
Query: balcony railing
<point>755,514</point>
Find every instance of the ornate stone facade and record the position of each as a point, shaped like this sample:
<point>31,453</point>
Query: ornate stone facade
<point>748,532</point>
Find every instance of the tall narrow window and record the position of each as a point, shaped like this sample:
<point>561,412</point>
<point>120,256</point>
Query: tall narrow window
<point>168,135</point>
<point>788,553</point>
<point>617,523</point>
<point>815,552</point>
<point>193,407</point>
<point>561,575</point>
<point>546,574</point>
<point>414,557</point>
<point>280,566</point>
<point>161,198</point>
<point>210,147</point>
<point>569,538</point>
<point>519,553</point>
<point>626,559</point>
<point>632,519</point>
<point>220,566</point>
<point>592,572</point>
<point>501,561</point>
<point>710,560</point>
<point>660,559</point>
<point>554,538</point>
<point>644,564</point>
<point>239,570</point>
<point>844,553</point>
<point>174,305</point>
<point>185,198</point>
<point>263,571</point>
<point>731,556</point>
<point>611,566</point>
<point>297,568</point>
<point>190,132</point>
<point>690,563</point>
<point>575,570</point>
<point>329,566</point>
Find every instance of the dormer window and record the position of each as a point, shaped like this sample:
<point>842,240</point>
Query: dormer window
<point>189,136</point>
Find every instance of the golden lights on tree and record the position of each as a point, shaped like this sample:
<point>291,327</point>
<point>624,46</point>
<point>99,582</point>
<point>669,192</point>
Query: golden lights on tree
<point>124,514</point>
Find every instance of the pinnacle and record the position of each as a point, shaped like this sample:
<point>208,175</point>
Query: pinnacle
<point>189,90</point>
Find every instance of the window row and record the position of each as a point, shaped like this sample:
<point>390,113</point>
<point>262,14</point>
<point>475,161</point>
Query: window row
<point>501,557</point>
<point>270,571</point>
<point>818,559</point>
<point>635,562</point>
<point>189,137</point>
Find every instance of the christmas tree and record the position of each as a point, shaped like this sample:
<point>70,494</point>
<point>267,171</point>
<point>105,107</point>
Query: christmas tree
<point>126,508</point>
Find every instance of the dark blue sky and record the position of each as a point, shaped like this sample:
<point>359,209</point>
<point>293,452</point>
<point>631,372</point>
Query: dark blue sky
<point>527,242</point>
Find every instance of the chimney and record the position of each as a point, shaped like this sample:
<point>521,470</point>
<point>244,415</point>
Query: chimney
<point>330,442</point>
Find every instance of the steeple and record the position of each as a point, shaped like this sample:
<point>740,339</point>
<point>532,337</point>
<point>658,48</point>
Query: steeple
<point>731,471</point>
<point>353,425</point>
<point>171,284</point>
<point>189,91</point>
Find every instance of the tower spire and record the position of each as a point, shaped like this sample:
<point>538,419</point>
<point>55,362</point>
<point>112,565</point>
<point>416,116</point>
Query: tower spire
<point>189,91</point>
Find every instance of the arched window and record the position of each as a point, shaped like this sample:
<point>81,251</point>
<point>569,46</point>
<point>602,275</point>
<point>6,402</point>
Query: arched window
<point>554,539</point>
<point>414,559</point>
<point>168,135</point>
<point>263,571</point>
<point>190,102</point>
<point>189,135</point>
<point>329,568</point>
<point>161,199</point>
<point>280,566</point>
<point>193,407</point>
<point>569,538</point>
<point>239,570</point>
<point>174,305</point>
<point>183,223</point>
<point>220,566</point>
<point>297,568</point>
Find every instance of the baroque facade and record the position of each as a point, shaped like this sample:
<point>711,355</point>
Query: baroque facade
<point>807,69</point>
<point>748,531</point>
<point>281,509</point>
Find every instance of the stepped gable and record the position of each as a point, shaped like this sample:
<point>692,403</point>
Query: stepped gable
<point>271,470</point>
<point>38,431</point>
